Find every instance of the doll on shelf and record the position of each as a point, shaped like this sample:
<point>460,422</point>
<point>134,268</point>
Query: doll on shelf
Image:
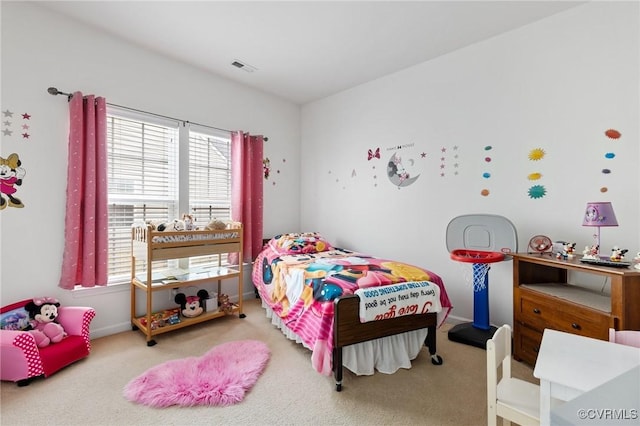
<point>568,250</point>
<point>617,255</point>
<point>591,252</point>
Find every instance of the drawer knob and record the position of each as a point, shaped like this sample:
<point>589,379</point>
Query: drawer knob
<point>576,326</point>
<point>536,310</point>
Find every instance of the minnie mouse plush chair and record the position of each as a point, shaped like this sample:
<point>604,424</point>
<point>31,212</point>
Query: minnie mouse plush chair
<point>39,337</point>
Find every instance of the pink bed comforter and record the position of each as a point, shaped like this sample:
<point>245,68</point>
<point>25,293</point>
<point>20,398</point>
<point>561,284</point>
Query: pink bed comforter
<point>300,285</point>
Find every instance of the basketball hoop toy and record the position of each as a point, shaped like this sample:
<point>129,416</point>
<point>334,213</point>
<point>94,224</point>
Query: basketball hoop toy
<point>479,240</point>
<point>481,261</point>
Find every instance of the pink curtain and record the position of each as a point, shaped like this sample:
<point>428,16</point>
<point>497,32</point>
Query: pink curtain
<point>246,190</point>
<point>84,261</point>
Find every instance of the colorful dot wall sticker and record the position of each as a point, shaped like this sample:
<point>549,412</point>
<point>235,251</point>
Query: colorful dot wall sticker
<point>612,134</point>
<point>537,191</point>
<point>534,176</point>
<point>486,175</point>
<point>536,154</point>
<point>610,155</point>
<point>604,189</point>
<point>606,171</point>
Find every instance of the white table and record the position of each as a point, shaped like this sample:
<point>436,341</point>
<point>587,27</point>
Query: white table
<point>616,402</point>
<point>569,365</point>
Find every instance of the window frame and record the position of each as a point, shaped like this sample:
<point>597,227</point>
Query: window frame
<point>178,198</point>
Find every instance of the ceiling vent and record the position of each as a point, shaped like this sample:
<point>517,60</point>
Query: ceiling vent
<point>244,66</point>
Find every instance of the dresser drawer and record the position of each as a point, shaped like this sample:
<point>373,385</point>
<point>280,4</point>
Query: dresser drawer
<point>526,343</point>
<point>540,311</point>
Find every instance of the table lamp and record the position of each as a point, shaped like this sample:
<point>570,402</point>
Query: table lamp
<point>599,213</point>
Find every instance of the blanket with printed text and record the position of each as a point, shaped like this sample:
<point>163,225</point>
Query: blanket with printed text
<point>300,275</point>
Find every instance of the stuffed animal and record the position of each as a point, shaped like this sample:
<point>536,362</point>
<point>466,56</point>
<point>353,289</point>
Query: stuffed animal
<point>174,225</point>
<point>189,222</point>
<point>192,306</point>
<point>215,225</point>
<point>43,313</point>
<point>225,305</point>
<point>154,223</point>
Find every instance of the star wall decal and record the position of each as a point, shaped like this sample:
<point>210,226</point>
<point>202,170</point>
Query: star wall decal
<point>25,135</point>
<point>7,113</point>
<point>26,116</point>
<point>6,132</point>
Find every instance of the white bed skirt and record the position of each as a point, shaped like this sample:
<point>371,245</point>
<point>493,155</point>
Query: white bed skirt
<point>387,354</point>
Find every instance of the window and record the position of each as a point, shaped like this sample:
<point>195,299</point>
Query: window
<point>152,175</point>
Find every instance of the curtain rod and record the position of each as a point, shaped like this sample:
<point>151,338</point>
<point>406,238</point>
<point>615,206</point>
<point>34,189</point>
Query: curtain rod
<point>54,91</point>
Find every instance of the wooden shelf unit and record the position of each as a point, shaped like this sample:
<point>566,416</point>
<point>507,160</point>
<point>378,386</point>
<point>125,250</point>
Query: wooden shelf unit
<point>543,298</point>
<point>145,247</point>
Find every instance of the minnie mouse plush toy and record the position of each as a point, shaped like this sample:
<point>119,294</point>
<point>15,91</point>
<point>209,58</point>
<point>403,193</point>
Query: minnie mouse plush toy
<point>43,313</point>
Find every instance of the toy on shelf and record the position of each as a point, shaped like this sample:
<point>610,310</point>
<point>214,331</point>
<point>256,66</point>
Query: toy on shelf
<point>192,306</point>
<point>636,261</point>
<point>591,252</point>
<point>162,318</point>
<point>568,250</point>
<point>617,255</point>
<point>225,304</point>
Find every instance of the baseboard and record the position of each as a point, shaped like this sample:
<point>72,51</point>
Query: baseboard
<point>112,329</point>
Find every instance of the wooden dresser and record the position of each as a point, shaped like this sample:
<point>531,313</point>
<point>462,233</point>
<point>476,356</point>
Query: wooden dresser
<point>543,298</point>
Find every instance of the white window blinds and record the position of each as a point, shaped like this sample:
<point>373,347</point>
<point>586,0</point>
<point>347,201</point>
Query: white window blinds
<point>209,175</point>
<point>145,168</point>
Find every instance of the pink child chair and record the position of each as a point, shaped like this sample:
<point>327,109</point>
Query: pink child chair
<point>625,337</point>
<point>21,360</point>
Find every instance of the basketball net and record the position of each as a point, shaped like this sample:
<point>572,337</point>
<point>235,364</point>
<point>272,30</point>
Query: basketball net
<point>474,274</point>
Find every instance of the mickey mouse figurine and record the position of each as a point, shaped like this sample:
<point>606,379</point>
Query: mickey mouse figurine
<point>43,313</point>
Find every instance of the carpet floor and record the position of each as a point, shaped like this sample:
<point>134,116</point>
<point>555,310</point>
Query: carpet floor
<point>289,391</point>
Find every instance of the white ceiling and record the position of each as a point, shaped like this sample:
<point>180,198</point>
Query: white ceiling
<point>306,50</point>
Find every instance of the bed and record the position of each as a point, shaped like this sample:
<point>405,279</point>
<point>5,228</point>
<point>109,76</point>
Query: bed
<point>350,309</point>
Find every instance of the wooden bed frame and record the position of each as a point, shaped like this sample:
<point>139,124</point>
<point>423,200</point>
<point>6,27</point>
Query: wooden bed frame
<point>348,330</point>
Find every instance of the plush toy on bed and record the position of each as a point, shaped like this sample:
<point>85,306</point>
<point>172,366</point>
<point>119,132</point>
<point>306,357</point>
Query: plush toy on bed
<point>43,313</point>
<point>192,306</point>
<point>189,222</point>
<point>174,225</point>
<point>215,225</point>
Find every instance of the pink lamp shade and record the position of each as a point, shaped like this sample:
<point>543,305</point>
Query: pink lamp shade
<point>599,214</point>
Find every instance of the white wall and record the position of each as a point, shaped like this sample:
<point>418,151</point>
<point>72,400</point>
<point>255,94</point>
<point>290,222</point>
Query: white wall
<point>557,84</point>
<point>42,49</point>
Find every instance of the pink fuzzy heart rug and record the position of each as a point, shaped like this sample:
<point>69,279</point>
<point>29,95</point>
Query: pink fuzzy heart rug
<point>222,376</point>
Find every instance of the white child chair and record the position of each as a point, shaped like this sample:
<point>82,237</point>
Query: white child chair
<point>625,337</point>
<point>512,399</point>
